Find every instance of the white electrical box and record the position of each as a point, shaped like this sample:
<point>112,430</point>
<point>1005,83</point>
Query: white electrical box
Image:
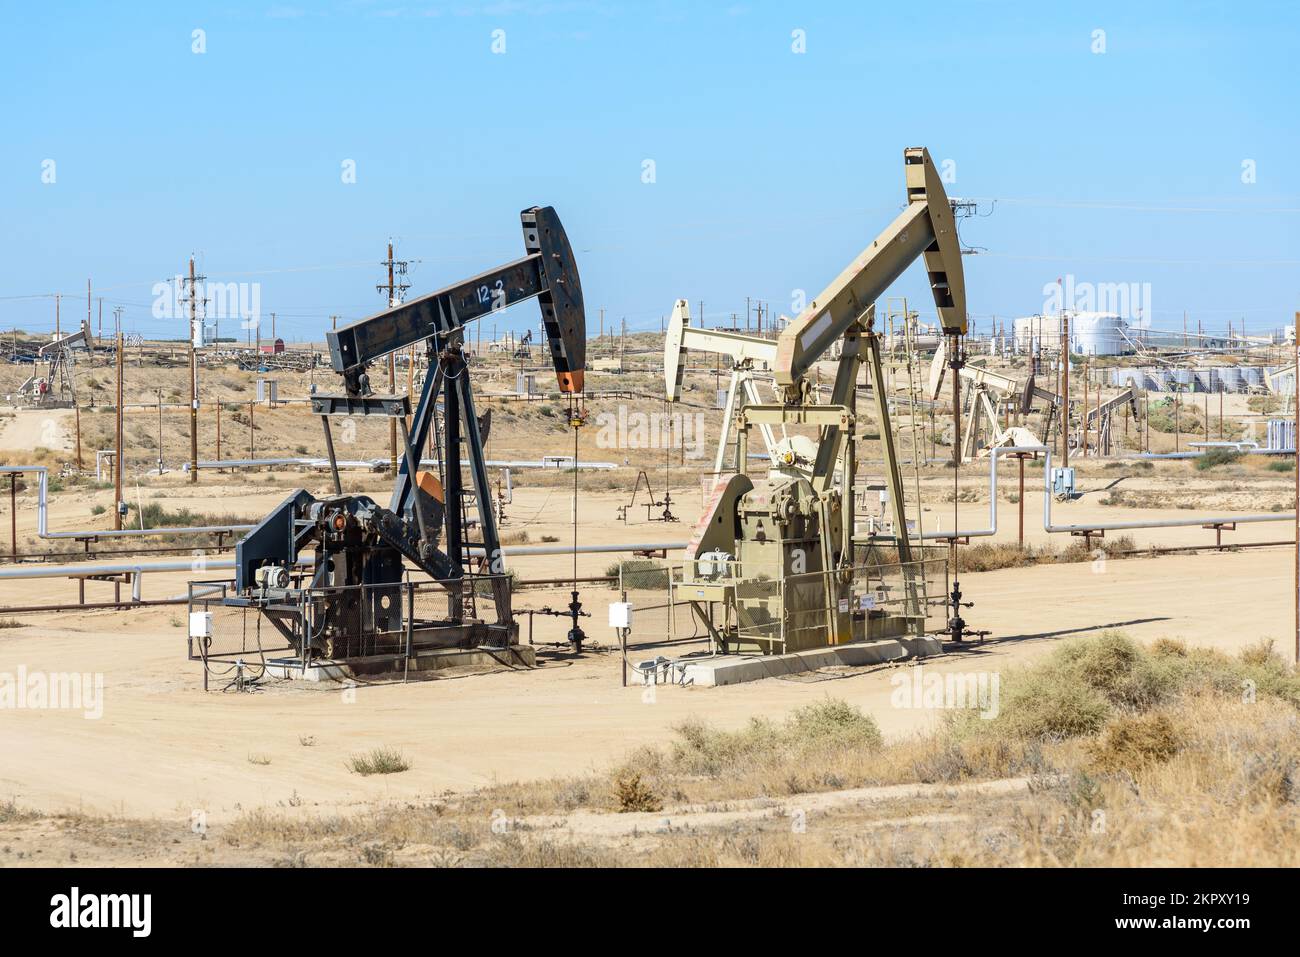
<point>620,614</point>
<point>200,624</point>
<point>1063,481</point>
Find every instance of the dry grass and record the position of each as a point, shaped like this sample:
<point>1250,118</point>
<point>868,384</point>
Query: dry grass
<point>378,761</point>
<point>991,556</point>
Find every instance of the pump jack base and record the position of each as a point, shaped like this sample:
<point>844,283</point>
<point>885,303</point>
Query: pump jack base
<point>428,659</point>
<point>735,669</point>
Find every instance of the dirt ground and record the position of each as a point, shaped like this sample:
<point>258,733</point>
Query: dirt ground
<point>29,429</point>
<point>164,748</point>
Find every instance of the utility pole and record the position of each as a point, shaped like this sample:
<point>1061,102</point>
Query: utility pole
<point>1065,389</point>
<point>76,410</point>
<point>57,327</point>
<point>396,289</point>
<point>160,434</point>
<point>1085,408</point>
<point>117,321</point>
<point>117,438</point>
<point>196,336</point>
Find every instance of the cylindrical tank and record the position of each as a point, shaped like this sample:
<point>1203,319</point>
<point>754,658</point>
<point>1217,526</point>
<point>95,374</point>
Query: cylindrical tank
<point>1037,333</point>
<point>1232,379</point>
<point>1098,334</point>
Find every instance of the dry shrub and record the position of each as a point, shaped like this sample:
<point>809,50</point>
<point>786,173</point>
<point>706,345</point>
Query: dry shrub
<point>378,761</point>
<point>991,556</point>
<point>1131,742</point>
<point>1163,647</point>
<point>1049,705</point>
<point>632,794</point>
<point>949,759</point>
<point>831,725</point>
<point>1261,653</point>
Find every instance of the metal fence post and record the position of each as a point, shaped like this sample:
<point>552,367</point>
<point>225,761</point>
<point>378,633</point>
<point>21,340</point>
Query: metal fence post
<point>410,627</point>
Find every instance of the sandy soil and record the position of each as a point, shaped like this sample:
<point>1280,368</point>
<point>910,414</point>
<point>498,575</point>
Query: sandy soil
<point>23,430</point>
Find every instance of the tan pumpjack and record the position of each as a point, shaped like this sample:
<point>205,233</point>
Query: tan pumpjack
<point>787,529</point>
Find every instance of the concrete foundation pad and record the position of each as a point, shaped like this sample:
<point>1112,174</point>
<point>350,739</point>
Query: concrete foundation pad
<point>734,669</point>
<point>315,671</point>
<point>433,659</point>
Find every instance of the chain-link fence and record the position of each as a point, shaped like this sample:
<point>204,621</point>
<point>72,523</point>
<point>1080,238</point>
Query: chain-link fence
<point>661,618</point>
<point>229,632</point>
<point>340,622</point>
<point>676,604</point>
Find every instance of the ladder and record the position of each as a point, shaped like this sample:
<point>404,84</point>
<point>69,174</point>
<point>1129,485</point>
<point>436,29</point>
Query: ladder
<point>914,449</point>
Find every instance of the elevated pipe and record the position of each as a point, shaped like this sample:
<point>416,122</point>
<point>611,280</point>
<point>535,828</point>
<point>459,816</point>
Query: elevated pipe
<point>1146,523</point>
<point>558,462</point>
<point>88,569</point>
<point>42,513</point>
<point>42,510</point>
<point>994,455</point>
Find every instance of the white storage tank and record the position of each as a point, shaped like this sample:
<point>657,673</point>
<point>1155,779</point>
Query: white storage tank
<point>1037,333</point>
<point>1098,334</point>
<point>1232,379</point>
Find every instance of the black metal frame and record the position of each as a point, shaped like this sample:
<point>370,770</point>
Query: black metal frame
<point>549,274</point>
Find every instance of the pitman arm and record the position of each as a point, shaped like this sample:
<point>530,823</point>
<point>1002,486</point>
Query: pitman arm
<point>548,272</point>
<point>925,229</point>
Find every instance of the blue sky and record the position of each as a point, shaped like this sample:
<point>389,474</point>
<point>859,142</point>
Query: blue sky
<point>772,168</point>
